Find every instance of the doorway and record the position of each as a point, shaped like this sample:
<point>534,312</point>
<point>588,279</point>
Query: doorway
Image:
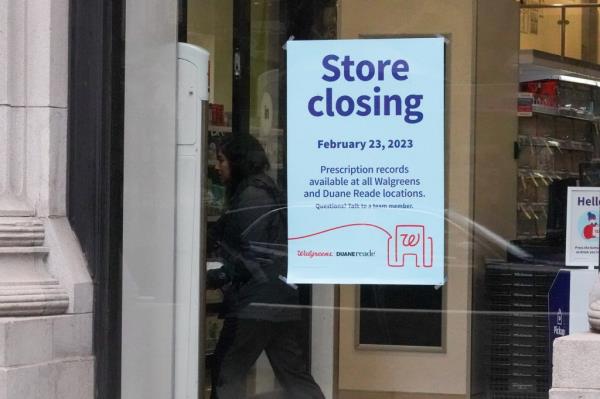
<point>247,78</point>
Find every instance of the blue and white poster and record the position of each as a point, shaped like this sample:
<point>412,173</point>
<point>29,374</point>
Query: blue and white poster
<point>365,161</point>
<point>583,204</point>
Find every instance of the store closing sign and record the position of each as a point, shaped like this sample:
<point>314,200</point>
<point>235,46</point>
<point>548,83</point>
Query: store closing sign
<point>365,161</point>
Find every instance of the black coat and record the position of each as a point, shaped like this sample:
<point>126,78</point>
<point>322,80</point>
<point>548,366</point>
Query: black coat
<point>252,240</point>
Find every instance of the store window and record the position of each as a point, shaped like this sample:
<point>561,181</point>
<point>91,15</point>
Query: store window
<point>246,41</point>
<point>516,126</point>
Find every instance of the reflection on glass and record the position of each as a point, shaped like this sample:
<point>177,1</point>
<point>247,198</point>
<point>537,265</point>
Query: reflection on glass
<point>260,310</point>
<point>540,29</point>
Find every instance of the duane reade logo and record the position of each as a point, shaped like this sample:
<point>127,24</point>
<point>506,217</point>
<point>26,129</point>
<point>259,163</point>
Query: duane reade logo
<point>369,253</point>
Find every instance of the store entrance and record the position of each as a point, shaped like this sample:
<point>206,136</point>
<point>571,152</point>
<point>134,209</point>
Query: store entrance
<point>246,41</point>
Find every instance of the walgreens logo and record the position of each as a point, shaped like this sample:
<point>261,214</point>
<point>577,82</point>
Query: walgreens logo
<point>314,254</point>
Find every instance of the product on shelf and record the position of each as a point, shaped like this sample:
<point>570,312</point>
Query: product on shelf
<point>545,126</point>
<point>559,136</point>
<point>563,128</point>
<point>525,104</point>
<point>527,221</point>
<point>562,159</point>
<point>576,99</point>
<point>528,126</point>
<point>217,115</point>
<point>581,130</point>
<point>542,194</point>
<point>527,157</point>
<point>544,91</point>
<point>544,158</point>
<point>526,190</point>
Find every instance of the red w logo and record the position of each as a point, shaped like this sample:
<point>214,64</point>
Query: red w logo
<point>411,242</point>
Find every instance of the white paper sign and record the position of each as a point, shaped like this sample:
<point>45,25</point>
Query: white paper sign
<point>366,161</point>
<point>583,204</point>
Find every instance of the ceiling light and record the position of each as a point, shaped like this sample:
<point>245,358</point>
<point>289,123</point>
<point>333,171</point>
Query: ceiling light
<point>575,79</point>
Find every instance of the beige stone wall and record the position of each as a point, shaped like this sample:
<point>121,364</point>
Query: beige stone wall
<point>406,371</point>
<point>210,25</point>
<point>494,168</point>
<point>481,126</point>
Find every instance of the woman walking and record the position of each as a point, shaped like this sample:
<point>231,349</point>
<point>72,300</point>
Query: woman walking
<point>259,308</point>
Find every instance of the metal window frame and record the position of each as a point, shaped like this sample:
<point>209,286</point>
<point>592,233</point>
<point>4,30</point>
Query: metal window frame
<point>95,169</point>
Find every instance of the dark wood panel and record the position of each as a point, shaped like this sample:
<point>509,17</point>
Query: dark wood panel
<point>405,315</point>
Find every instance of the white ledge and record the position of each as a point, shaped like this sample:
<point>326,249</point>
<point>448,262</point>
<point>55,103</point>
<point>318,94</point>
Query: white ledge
<point>24,250</point>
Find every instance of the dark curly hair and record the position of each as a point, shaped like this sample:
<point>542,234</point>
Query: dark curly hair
<point>246,157</point>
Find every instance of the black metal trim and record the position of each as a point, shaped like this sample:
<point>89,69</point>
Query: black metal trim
<point>241,75</point>
<point>95,169</point>
<point>182,21</point>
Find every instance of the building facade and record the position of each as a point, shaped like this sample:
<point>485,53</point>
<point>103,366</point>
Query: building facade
<point>47,291</point>
<point>93,302</point>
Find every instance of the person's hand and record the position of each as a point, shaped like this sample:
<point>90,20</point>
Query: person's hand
<point>216,279</point>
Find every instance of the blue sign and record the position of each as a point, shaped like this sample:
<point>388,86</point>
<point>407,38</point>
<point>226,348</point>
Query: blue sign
<point>559,299</point>
<point>365,160</point>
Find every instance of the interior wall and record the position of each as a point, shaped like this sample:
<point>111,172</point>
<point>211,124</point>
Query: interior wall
<point>495,169</point>
<point>547,37</point>
<point>410,371</point>
<point>589,33</point>
<point>210,25</point>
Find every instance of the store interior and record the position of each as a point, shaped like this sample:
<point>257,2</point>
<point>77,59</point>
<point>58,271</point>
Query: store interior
<point>523,95</point>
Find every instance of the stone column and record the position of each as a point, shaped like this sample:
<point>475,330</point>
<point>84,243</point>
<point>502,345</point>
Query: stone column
<point>26,286</point>
<point>45,288</point>
<point>576,367</point>
<point>12,162</point>
<point>594,309</point>
<point>29,103</point>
